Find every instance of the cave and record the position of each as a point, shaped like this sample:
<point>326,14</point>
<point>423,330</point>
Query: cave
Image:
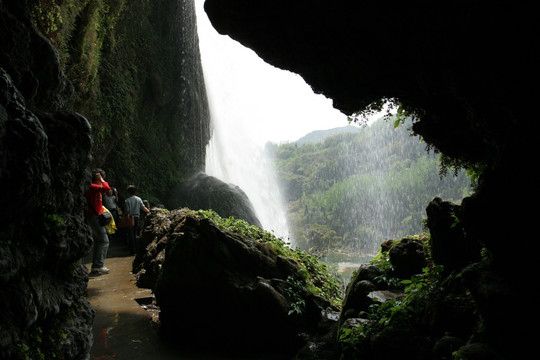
<point>463,69</point>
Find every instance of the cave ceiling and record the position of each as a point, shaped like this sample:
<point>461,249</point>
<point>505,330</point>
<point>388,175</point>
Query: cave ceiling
<point>451,59</point>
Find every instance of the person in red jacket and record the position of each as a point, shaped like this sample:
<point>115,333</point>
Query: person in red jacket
<point>95,207</point>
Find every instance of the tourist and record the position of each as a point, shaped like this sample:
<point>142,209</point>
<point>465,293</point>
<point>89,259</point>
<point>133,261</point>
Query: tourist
<point>110,201</point>
<point>134,205</point>
<point>95,207</point>
<point>143,215</point>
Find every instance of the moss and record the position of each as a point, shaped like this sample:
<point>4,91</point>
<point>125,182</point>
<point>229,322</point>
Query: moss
<point>47,339</point>
<point>124,59</point>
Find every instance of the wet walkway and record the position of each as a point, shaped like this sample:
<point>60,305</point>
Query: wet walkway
<point>123,329</point>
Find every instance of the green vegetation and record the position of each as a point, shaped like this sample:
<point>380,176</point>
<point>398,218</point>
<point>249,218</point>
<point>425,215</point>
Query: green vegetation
<point>125,62</point>
<point>315,276</point>
<point>45,340</point>
<point>355,190</point>
<point>412,311</point>
<point>52,222</point>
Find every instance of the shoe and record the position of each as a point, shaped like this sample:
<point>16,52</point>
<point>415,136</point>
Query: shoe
<point>101,271</point>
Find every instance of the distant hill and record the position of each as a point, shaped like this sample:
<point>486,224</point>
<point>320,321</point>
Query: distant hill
<point>319,136</point>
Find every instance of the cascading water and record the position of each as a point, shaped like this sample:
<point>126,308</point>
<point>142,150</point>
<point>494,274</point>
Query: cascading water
<point>236,153</point>
<point>234,157</point>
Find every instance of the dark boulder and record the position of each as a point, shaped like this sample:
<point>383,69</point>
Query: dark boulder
<point>448,316</point>
<point>234,295</point>
<point>477,351</point>
<point>503,308</point>
<point>450,246</point>
<point>407,257</point>
<point>207,192</point>
<point>400,343</point>
<point>446,346</point>
<point>357,291</point>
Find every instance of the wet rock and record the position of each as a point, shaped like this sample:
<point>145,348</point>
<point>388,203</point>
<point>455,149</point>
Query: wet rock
<point>235,295</point>
<point>357,299</point>
<point>407,257</point>
<point>400,343</point>
<point>207,192</point>
<point>31,61</point>
<point>446,346</point>
<point>44,166</point>
<point>386,295</point>
<point>449,245</point>
<point>386,245</point>
<point>356,296</point>
<point>45,154</point>
<point>503,308</point>
<point>477,351</point>
<point>151,245</point>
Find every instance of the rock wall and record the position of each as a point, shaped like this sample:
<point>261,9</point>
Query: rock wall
<point>132,69</point>
<point>43,174</point>
<point>137,77</point>
<point>157,135</point>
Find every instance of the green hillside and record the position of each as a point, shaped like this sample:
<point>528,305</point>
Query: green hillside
<point>354,190</point>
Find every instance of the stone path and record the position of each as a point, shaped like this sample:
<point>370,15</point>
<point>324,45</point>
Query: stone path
<point>123,329</point>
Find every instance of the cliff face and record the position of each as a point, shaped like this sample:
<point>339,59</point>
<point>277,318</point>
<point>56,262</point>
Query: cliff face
<point>137,78</point>
<point>116,84</point>
<point>43,174</point>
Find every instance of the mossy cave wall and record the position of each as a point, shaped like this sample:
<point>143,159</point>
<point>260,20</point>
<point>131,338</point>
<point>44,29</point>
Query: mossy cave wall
<point>137,77</point>
<point>84,83</point>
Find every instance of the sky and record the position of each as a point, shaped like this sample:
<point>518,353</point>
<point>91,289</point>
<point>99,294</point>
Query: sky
<point>272,104</point>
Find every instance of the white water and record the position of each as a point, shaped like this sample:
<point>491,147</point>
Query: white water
<point>236,150</point>
<point>234,157</point>
<point>252,103</point>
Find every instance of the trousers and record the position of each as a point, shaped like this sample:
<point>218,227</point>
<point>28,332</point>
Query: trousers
<point>101,242</point>
<point>132,236</point>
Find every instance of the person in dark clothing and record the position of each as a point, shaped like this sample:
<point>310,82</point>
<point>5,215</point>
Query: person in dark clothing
<point>134,205</point>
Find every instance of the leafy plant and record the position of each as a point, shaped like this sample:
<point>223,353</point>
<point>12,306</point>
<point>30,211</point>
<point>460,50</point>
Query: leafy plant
<point>294,292</point>
<point>47,17</point>
<point>405,312</point>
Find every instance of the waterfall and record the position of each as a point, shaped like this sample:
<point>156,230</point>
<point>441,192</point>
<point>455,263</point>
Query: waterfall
<point>236,152</point>
<point>234,156</point>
